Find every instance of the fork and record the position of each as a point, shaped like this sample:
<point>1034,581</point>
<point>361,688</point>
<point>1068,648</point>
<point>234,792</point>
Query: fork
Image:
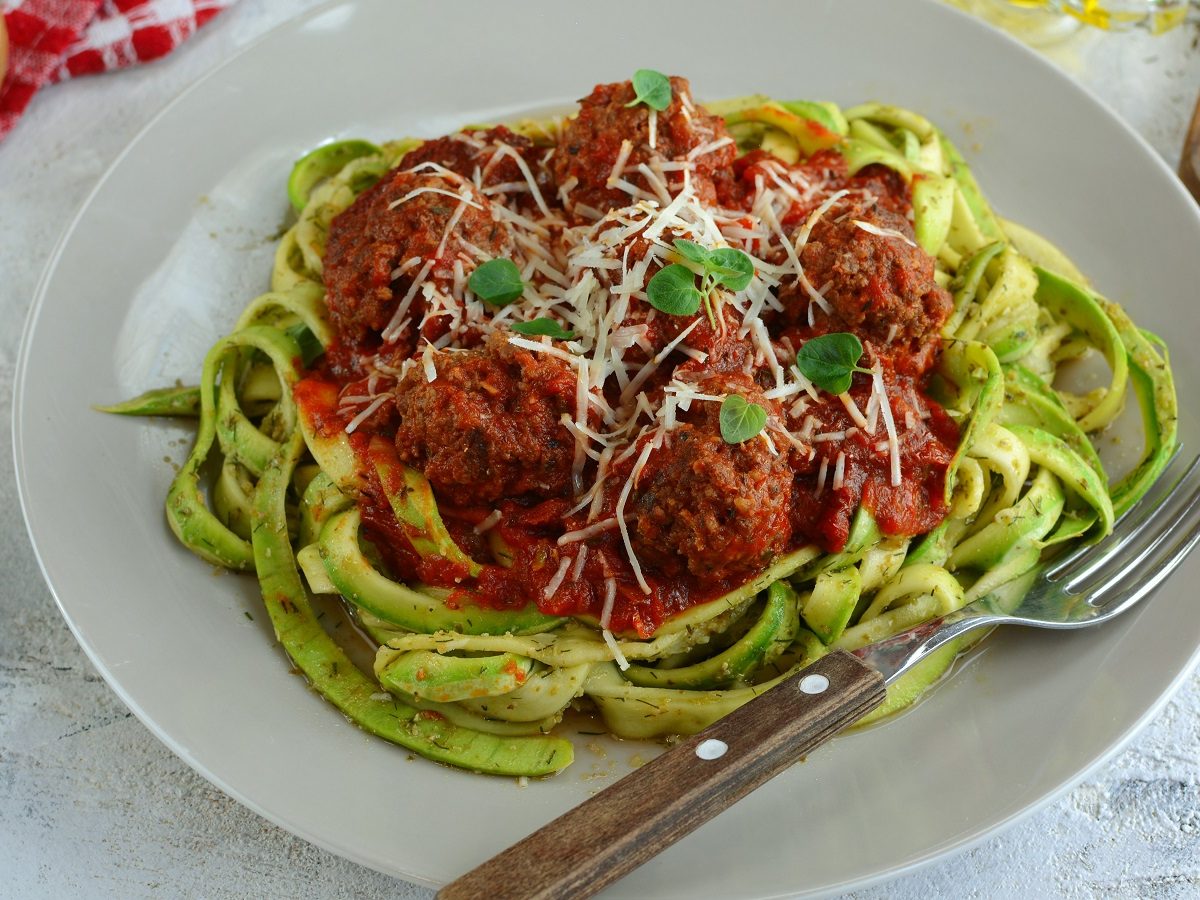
<point>1189,160</point>
<point>625,825</point>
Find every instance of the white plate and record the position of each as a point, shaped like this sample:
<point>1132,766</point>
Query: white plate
<point>176,238</point>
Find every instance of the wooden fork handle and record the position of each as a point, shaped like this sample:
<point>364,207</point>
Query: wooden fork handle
<point>1189,161</point>
<point>608,836</point>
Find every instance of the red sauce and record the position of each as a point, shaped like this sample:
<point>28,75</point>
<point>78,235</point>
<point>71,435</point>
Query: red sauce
<point>317,400</point>
<point>822,512</point>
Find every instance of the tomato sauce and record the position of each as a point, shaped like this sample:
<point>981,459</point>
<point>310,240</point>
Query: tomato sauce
<point>822,510</point>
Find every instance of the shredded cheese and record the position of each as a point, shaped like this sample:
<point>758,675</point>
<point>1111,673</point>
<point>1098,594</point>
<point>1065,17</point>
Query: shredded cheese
<point>580,559</point>
<point>633,560</point>
<point>449,229</point>
<point>883,232</point>
<point>618,168</point>
<point>432,190</point>
<point>427,363</point>
<point>353,424</point>
<point>405,266</point>
<point>583,534</point>
<point>610,596</point>
<point>489,523</point>
<point>889,423</point>
<point>618,656</point>
<point>852,410</point>
<point>506,150</point>
<point>829,436</point>
<point>564,190</point>
<point>560,575</point>
<point>710,147</point>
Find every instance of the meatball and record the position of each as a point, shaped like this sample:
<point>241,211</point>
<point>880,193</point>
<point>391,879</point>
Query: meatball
<point>468,151</point>
<point>590,144</point>
<point>714,509</point>
<point>886,186</point>
<point>375,251</point>
<point>824,168</point>
<point>879,286</point>
<point>644,331</point>
<point>489,425</point>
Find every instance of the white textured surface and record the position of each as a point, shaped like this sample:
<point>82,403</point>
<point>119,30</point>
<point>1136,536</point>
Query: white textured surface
<point>92,805</point>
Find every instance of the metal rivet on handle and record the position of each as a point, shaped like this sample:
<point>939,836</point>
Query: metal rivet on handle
<point>814,684</point>
<point>711,749</point>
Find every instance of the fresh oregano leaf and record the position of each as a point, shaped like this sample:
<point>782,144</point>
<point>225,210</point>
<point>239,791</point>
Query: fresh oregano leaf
<point>673,290</point>
<point>724,265</point>
<point>692,252</point>
<point>740,419</point>
<point>830,361</point>
<point>651,88</point>
<point>731,268</point>
<point>544,326</point>
<point>497,281</point>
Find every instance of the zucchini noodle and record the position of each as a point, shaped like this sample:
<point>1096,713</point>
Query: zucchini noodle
<point>482,688</point>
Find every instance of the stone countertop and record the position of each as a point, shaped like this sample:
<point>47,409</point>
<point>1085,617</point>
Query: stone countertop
<point>91,804</point>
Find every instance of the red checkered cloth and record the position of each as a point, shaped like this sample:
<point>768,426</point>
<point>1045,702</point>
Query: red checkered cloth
<point>53,40</point>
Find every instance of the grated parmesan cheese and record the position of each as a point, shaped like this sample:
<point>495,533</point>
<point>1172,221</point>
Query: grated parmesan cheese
<point>432,190</point>
<point>583,534</point>
<point>427,363</point>
<point>839,471</point>
<point>579,561</point>
<point>618,656</point>
<point>633,560</point>
<point>353,424</point>
<point>618,168</point>
<point>506,150</point>
<point>395,327</point>
<point>610,596</point>
<point>883,232</point>
<point>852,410</point>
<point>560,575</point>
<point>489,523</point>
<point>889,423</point>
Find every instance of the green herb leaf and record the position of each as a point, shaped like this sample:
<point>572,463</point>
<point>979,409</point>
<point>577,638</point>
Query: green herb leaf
<point>692,251</point>
<point>740,419</point>
<point>724,265</point>
<point>544,326</point>
<point>830,361</point>
<point>673,290</point>
<point>497,281</point>
<point>652,88</point>
<point>731,268</point>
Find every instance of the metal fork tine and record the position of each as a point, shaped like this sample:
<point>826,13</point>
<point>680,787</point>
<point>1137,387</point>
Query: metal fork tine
<point>1166,563</point>
<point>1128,571</point>
<point>1128,528</point>
<point>1132,522</point>
<point>1162,533</point>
